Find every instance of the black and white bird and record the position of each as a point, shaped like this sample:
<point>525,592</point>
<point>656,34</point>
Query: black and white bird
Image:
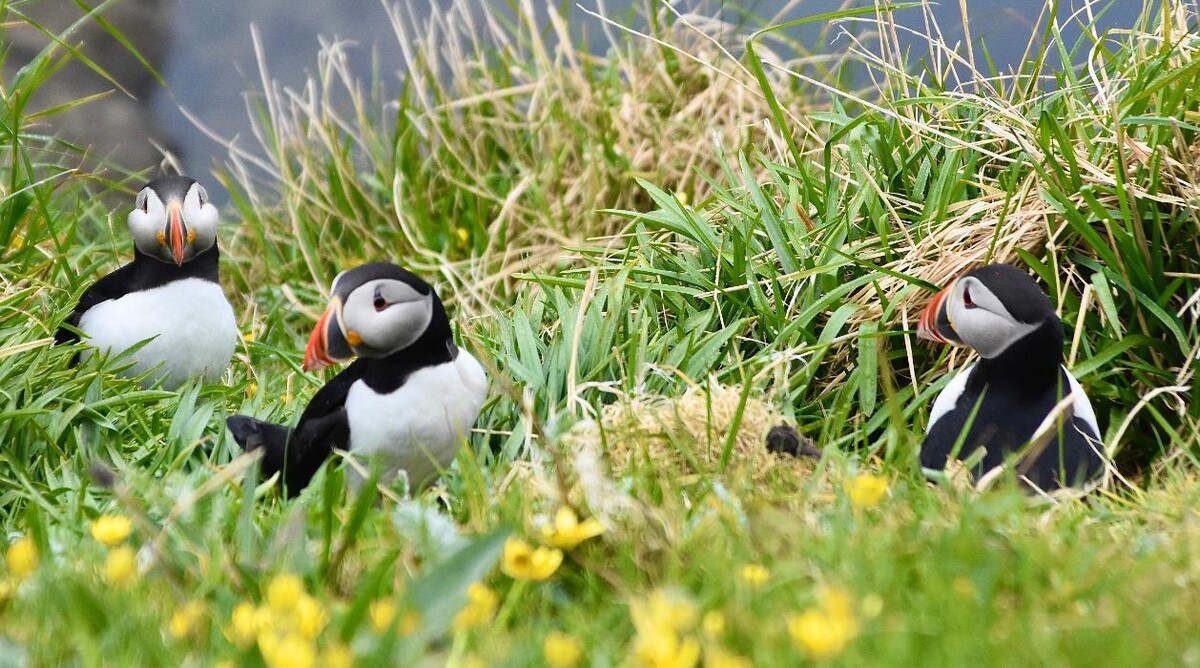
<point>1001,401</point>
<point>170,293</point>
<point>406,403</point>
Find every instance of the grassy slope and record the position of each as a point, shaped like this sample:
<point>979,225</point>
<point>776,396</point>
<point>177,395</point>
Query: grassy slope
<point>767,276</point>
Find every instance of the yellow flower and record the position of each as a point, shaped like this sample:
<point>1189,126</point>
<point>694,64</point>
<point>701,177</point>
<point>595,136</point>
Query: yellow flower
<point>481,606</point>
<point>251,389</point>
<point>713,624</point>
<point>523,562</point>
<point>561,650</point>
<point>865,490</point>
<point>120,568</point>
<point>717,657</point>
<point>382,612</point>
<point>336,655</point>
<point>243,625</point>
<point>755,575</point>
<point>463,235</point>
<point>662,612</point>
<point>248,336</point>
<point>22,558</point>
<point>287,651</point>
<point>824,631</point>
<point>662,621</point>
<point>567,531</point>
<point>666,649</point>
<point>310,617</point>
<point>187,620</point>
<point>284,592</point>
<point>111,530</point>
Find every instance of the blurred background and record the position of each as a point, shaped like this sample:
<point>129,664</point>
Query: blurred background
<point>209,70</point>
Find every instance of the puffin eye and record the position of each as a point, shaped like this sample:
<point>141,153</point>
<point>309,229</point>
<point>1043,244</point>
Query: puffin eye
<point>143,202</point>
<point>201,194</point>
<point>967,301</point>
<point>380,302</point>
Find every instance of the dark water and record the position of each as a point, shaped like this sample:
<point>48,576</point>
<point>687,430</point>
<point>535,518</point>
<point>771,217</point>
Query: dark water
<point>212,63</point>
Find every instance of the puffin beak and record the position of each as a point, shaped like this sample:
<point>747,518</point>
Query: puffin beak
<point>176,235</point>
<point>327,345</point>
<point>935,324</point>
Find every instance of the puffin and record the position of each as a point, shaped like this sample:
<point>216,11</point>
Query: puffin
<point>999,402</point>
<point>406,403</point>
<point>169,296</point>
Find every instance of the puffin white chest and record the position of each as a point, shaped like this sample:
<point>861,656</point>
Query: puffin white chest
<point>418,427</point>
<point>190,323</point>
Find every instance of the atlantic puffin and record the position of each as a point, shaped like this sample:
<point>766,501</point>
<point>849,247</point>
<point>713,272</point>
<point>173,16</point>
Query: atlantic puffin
<point>406,403</point>
<point>999,402</point>
<point>170,294</point>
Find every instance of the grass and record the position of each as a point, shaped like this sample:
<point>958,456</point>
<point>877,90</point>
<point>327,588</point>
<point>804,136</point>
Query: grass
<point>659,253</point>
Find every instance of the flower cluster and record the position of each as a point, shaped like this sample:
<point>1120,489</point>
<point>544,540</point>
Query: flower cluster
<point>120,564</point>
<point>285,627</point>
<point>825,630</point>
<point>664,622</point>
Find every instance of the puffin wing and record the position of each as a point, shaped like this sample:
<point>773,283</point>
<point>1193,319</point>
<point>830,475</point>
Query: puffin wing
<point>112,286</point>
<point>299,452</point>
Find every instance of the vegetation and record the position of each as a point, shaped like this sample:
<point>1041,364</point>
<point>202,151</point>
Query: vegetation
<point>659,253</point>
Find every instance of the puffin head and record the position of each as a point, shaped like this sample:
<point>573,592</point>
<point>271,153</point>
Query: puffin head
<point>989,309</point>
<point>375,310</point>
<point>172,220</point>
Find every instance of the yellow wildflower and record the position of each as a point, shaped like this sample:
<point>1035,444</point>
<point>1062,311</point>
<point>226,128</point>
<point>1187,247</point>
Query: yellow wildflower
<point>248,336</point>
<point>666,649</point>
<point>382,613</point>
<point>713,624</point>
<point>336,655</point>
<point>17,242</point>
<point>824,631</point>
<point>717,657</point>
<point>523,562</point>
<point>251,389</point>
<point>243,625</point>
<point>111,530</point>
<point>22,558</point>
<point>309,617</point>
<point>865,490</point>
<point>755,575</point>
<point>284,592</point>
<point>663,611</point>
<point>120,568</point>
<point>561,650</point>
<point>481,606</point>
<point>463,235</point>
<point>187,620</point>
<point>662,621</point>
<point>287,651</point>
<point>567,531</point>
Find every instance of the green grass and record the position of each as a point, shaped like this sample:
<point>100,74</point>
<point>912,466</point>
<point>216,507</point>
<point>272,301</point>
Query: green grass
<point>658,254</point>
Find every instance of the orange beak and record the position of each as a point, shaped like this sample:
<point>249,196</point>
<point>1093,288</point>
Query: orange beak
<point>927,327</point>
<point>175,234</point>
<point>316,353</point>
